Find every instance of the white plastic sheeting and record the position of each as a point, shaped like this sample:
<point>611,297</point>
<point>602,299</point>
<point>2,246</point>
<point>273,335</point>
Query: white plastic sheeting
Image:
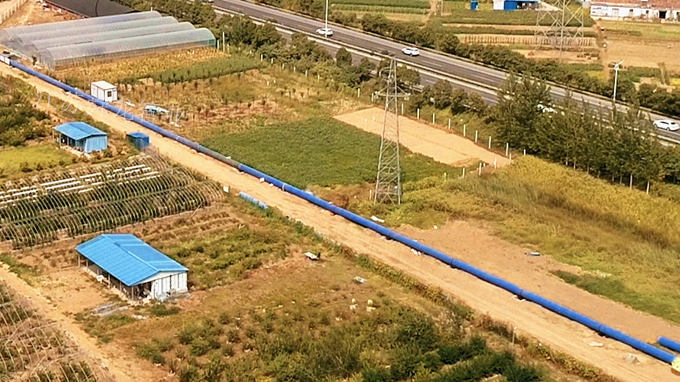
<point>28,39</point>
<point>57,57</point>
<point>9,33</point>
<point>40,45</point>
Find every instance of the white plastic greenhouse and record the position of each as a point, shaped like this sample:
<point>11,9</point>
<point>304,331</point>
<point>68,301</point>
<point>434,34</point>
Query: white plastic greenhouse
<point>67,43</point>
<point>40,45</point>
<point>127,47</point>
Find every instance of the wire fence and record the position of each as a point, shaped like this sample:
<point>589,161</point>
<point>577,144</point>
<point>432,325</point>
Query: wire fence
<point>33,349</point>
<point>16,4</point>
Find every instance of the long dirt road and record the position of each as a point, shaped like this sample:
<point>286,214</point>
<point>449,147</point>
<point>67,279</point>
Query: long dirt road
<point>557,332</point>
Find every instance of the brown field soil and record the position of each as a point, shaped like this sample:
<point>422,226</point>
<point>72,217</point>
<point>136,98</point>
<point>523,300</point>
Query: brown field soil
<point>567,57</point>
<point>555,331</point>
<point>32,13</point>
<point>424,139</point>
<point>643,53</point>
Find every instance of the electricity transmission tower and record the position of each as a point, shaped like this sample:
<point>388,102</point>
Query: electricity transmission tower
<point>388,183</point>
<point>566,25</point>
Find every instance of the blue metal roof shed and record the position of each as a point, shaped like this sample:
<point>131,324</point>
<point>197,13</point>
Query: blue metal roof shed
<point>140,140</point>
<point>135,265</point>
<point>82,136</point>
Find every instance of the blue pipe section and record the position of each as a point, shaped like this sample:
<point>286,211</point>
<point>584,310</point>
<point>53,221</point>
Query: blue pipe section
<point>668,343</point>
<point>496,281</point>
<point>250,199</point>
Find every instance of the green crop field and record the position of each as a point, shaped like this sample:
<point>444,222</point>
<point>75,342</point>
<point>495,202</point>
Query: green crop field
<point>317,151</point>
<point>18,160</point>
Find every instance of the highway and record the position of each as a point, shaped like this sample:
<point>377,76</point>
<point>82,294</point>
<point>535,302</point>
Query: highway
<point>433,66</point>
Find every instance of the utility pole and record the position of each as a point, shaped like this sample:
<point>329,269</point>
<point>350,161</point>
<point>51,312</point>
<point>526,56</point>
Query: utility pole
<point>616,79</point>
<point>326,26</point>
<point>388,182</point>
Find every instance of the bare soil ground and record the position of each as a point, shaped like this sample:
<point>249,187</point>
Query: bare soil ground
<point>32,13</point>
<point>644,53</point>
<point>427,140</point>
<point>553,330</point>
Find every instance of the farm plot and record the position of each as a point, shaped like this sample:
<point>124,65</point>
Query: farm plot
<point>32,349</point>
<point>44,208</point>
<point>388,6</point>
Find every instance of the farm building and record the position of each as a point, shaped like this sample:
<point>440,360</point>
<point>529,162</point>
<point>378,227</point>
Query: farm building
<point>635,9</point>
<point>133,267</point>
<point>513,5</point>
<point>81,136</point>
<point>68,43</point>
<point>140,140</point>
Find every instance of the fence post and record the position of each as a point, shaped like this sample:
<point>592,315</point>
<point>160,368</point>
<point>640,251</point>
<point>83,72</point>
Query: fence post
<point>489,143</point>
<point>631,180</point>
<point>525,152</point>
<point>480,169</point>
<point>402,108</point>
<point>271,61</point>
<point>647,187</point>
<point>294,69</point>
<point>358,92</point>
<point>463,130</point>
<point>305,74</point>
<point>261,57</point>
<point>494,162</point>
<point>418,113</point>
<point>432,117</point>
<point>463,176</point>
<point>507,148</point>
<point>449,123</point>
<point>510,156</point>
<point>475,136</point>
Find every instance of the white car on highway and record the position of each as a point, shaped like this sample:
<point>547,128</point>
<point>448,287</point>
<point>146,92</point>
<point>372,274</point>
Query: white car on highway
<point>666,124</point>
<point>325,32</point>
<point>411,51</point>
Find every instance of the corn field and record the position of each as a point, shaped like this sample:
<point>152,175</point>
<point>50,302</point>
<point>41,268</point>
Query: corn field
<point>32,349</point>
<point>523,40</point>
<point>93,199</point>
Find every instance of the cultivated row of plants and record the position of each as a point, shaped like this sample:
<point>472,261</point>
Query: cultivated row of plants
<point>19,120</point>
<point>107,204</point>
<point>303,343</point>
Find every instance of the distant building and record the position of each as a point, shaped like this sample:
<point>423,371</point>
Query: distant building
<point>513,5</point>
<point>635,9</point>
<point>81,136</point>
<point>133,267</point>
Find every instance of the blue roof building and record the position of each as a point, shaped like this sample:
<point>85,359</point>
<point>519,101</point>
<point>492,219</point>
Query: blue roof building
<point>132,266</point>
<point>81,136</point>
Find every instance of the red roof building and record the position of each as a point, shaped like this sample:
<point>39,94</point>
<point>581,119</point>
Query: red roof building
<point>635,9</point>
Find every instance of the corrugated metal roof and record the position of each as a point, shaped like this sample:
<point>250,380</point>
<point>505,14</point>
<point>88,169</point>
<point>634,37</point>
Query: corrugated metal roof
<point>78,130</point>
<point>127,258</point>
